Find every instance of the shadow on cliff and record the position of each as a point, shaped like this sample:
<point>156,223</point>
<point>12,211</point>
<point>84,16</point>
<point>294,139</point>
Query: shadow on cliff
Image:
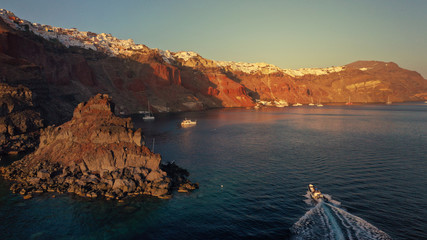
<point>251,93</point>
<point>62,77</point>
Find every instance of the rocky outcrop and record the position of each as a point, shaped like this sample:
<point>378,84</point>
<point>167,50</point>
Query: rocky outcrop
<point>19,120</point>
<point>95,154</point>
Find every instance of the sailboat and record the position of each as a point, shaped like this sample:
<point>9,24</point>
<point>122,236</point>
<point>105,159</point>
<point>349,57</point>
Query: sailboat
<point>349,101</point>
<point>388,101</point>
<point>311,104</point>
<point>149,115</point>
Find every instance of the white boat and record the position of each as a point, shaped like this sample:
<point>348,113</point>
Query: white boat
<point>315,194</point>
<point>188,123</point>
<point>388,101</point>
<point>149,115</point>
<point>319,105</point>
<point>297,105</point>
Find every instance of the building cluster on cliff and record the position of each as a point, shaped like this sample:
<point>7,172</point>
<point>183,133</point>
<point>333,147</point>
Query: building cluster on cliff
<point>72,37</point>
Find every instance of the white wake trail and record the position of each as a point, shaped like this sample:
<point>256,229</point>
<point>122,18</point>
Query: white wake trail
<point>326,220</point>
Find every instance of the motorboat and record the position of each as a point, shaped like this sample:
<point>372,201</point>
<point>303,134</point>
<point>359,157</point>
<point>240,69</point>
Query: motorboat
<point>315,194</point>
<point>188,123</point>
<point>148,116</point>
<point>297,105</point>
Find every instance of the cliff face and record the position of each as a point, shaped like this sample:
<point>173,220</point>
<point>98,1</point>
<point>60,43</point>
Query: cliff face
<point>66,66</point>
<point>368,81</point>
<point>20,120</point>
<point>95,154</point>
<point>96,140</point>
<point>72,75</point>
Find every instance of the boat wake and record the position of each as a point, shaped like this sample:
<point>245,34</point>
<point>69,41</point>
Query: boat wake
<point>309,200</point>
<point>326,220</point>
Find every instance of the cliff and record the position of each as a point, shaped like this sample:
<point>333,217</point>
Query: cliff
<point>67,66</point>
<point>95,154</point>
<point>20,120</point>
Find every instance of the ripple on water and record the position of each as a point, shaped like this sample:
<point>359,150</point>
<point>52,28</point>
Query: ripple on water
<point>371,159</point>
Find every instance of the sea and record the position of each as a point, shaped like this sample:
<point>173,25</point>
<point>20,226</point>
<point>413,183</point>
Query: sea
<point>253,167</point>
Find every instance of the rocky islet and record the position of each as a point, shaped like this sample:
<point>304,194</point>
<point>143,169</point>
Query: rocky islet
<point>95,154</point>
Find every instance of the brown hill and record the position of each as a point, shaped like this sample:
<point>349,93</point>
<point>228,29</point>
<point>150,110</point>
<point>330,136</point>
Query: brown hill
<point>62,76</point>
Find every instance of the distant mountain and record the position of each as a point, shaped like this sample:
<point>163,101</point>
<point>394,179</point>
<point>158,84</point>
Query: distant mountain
<point>65,66</point>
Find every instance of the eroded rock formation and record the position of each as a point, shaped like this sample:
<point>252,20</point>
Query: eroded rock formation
<point>19,120</point>
<point>95,154</point>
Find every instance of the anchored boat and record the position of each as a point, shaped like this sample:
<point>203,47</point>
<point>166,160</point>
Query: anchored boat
<point>148,114</point>
<point>188,123</point>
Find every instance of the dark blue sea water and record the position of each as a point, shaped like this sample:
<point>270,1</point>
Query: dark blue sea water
<point>253,168</point>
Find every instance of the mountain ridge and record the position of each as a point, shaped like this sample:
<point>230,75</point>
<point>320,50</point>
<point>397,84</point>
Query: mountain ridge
<point>74,65</point>
<point>116,47</point>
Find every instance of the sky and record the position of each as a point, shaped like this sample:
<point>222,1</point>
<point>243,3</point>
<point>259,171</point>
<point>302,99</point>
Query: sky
<point>286,33</point>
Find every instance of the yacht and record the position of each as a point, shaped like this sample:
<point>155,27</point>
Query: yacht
<point>188,123</point>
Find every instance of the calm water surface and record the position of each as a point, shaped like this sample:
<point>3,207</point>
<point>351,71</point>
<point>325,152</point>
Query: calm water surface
<point>253,168</point>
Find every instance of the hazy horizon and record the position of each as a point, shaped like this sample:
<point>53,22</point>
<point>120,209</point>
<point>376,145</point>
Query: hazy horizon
<point>288,34</point>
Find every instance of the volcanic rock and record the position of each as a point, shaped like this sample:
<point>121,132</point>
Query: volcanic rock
<point>94,154</point>
<point>19,120</point>
<point>66,66</point>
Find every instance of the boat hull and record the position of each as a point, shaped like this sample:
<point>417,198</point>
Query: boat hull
<point>188,123</point>
<point>315,194</point>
